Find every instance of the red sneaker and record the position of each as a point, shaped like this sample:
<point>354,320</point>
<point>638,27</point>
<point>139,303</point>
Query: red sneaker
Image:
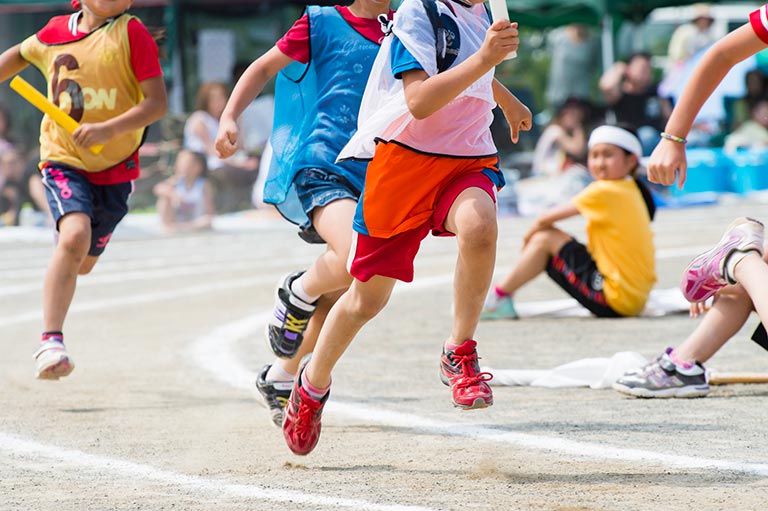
<point>460,370</point>
<point>301,424</point>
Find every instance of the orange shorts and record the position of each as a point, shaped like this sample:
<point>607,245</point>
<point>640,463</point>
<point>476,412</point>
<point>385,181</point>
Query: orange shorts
<point>393,257</point>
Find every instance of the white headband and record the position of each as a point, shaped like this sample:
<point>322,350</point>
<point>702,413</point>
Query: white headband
<point>616,136</point>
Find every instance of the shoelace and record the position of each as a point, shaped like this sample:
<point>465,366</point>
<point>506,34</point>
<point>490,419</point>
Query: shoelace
<point>304,419</point>
<point>294,324</point>
<point>468,376</point>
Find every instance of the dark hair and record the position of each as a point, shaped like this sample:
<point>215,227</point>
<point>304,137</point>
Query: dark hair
<point>199,158</point>
<point>573,102</point>
<point>203,93</point>
<point>640,54</point>
<point>650,204</point>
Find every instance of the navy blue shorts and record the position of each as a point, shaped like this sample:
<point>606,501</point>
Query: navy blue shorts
<point>317,188</point>
<point>68,191</point>
<point>574,270</point>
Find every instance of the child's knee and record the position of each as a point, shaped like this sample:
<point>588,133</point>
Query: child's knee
<point>75,242</point>
<point>362,308</point>
<point>478,230</point>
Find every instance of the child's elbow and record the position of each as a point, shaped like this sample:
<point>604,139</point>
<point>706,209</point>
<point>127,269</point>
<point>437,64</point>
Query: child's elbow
<point>417,109</point>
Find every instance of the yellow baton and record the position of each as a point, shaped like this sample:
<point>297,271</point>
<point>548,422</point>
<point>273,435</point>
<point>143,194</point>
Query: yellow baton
<point>43,104</point>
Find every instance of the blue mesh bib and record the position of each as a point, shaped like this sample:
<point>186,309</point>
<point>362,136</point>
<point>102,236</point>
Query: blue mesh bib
<point>316,108</point>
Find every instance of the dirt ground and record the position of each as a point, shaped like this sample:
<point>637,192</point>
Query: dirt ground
<point>161,412</point>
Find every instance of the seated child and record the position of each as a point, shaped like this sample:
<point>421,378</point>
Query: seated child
<point>734,272</point>
<point>613,275</point>
<point>185,200</point>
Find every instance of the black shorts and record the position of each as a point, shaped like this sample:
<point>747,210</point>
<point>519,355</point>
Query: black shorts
<point>69,191</point>
<point>575,271</point>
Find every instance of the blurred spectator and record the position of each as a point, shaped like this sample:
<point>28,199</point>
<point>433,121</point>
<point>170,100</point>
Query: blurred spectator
<point>563,142</point>
<point>20,185</point>
<point>689,38</point>
<point>575,54</point>
<point>631,94</point>
<point>6,142</point>
<point>558,161</point>
<point>753,133</point>
<point>233,178</point>
<point>185,200</point>
<point>756,91</point>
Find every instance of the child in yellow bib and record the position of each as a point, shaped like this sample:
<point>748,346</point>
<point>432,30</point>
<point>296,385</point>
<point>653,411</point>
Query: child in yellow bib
<point>102,68</point>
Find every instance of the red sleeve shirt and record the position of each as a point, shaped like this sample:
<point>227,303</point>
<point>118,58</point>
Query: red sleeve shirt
<point>295,42</point>
<point>759,21</point>
<point>144,52</point>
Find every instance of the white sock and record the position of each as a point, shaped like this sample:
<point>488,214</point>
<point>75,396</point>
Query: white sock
<point>730,264</point>
<point>297,287</point>
<point>278,373</point>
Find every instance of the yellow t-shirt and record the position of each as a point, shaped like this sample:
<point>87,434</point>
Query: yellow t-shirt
<point>620,241</point>
<point>90,78</point>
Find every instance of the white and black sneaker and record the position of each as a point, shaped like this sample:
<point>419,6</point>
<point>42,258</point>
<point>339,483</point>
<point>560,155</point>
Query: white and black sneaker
<point>275,394</point>
<point>285,328</point>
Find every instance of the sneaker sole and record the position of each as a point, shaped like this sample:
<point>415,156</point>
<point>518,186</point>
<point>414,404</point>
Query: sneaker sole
<point>497,317</point>
<point>680,392</point>
<point>58,370</point>
<point>478,404</point>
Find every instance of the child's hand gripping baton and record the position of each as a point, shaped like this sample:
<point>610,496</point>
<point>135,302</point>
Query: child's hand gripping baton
<point>43,104</point>
<point>499,12</point>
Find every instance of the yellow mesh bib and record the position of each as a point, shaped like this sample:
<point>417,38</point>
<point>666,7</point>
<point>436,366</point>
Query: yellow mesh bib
<point>91,79</point>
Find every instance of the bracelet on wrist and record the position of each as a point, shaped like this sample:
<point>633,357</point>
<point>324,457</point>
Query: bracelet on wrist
<point>673,138</point>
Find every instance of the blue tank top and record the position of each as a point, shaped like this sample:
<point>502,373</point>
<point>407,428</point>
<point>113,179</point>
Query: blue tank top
<point>316,108</point>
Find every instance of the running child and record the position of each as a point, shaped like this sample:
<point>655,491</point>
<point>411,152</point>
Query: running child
<point>98,48</point>
<point>323,63</point>
<point>613,275</point>
<point>435,168</point>
<point>733,271</point>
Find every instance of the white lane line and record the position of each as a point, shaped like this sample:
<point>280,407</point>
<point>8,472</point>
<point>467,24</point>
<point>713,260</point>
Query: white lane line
<point>215,353</point>
<point>139,299</point>
<point>132,276</point>
<point>177,293</point>
<point>72,461</point>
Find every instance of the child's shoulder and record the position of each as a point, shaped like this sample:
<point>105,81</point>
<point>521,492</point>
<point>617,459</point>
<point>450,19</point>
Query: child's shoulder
<point>56,31</point>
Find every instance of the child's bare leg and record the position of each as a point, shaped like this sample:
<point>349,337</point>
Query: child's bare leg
<point>361,303</point>
<point>534,258</point>
<point>69,256</point>
<point>472,218</point>
<point>728,314</point>
<point>333,223</point>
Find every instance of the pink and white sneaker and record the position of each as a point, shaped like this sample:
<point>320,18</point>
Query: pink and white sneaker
<point>53,361</point>
<point>706,274</point>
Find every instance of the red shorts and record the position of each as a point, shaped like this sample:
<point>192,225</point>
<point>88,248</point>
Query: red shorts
<point>393,257</point>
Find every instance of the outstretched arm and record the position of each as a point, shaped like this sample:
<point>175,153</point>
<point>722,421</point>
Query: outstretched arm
<point>669,156</point>
<point>250,85</point>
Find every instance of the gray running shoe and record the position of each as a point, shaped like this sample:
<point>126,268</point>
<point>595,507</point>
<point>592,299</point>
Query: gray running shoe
<point>663,379</point>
